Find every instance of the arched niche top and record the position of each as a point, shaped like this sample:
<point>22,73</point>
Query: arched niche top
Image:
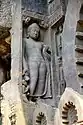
<point>70,108</point>
<point>43,114</point>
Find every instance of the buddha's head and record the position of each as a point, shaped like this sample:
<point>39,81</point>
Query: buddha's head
<point>34,31</point>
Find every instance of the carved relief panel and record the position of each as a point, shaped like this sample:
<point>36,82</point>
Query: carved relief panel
<point>36,65</point>
<point>56,10</point>
<point>58,40</point>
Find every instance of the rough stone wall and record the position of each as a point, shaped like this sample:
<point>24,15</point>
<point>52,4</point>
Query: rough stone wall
<point>5,13</point>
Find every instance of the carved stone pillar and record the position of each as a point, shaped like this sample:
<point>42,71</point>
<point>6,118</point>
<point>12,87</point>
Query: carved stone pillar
<point>69,31</point>
<point>11,105</point>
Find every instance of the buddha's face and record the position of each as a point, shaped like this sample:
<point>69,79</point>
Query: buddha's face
<point>34,31</point>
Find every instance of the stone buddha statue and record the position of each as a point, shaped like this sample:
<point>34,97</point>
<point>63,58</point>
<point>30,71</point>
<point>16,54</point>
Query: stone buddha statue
<point>36,65</point>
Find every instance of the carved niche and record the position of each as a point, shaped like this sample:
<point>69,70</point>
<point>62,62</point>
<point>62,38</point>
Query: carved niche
<point>37,67</point>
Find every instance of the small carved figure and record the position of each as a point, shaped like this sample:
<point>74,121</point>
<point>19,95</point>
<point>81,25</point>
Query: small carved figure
<point>36,65</point>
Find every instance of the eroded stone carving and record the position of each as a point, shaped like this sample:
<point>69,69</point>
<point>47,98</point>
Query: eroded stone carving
<point>27,20</point>
<point>44,24</point>
<point>36,65</point>
<point>12,115</point>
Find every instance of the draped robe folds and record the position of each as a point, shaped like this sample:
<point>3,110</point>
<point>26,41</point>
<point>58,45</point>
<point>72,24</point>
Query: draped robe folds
<point>47,84</point>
